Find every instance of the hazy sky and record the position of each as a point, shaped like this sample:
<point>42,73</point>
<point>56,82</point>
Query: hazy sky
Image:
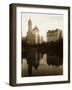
<point>43,21</point>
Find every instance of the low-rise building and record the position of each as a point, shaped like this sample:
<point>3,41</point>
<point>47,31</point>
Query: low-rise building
<point>54,35</point>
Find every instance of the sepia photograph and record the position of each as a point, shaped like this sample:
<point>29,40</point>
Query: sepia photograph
<point>39,44</point>
<point>42,44</point>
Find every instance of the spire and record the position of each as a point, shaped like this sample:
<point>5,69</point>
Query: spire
<point>29,24</point>
<point>29,19</point>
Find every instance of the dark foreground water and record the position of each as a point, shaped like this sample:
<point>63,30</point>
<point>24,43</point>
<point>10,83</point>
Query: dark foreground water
<point>38,64</point>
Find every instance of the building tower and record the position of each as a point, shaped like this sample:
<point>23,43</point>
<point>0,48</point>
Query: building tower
<point>29,25</point>
<point>30,36</point>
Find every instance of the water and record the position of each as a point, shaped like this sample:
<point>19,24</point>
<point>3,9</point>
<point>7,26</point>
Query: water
<point>37,63</point>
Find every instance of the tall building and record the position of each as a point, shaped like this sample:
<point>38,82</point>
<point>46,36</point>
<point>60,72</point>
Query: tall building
<point>33,36</point>
<point>54,35</point>
<point>29,25</point>
<point>36,34</point>
<point>30,36</point>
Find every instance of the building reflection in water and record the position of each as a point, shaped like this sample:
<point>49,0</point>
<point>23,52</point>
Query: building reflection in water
<point>37,63</point>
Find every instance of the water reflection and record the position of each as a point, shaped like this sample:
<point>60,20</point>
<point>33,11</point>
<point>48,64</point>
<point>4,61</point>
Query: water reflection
<point>37,63</point>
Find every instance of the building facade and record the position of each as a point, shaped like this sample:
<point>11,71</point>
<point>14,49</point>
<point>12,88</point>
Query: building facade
<point>54,35</point>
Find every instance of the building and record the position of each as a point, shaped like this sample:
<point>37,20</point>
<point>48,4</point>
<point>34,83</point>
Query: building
<point>41,39</point>
<point>30,37</point>
<point>36,34</point>
<point>33,36</point>
<point>54,35</point>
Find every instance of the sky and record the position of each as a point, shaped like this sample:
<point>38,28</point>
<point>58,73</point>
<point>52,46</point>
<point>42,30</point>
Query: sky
<point>44,22</point>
